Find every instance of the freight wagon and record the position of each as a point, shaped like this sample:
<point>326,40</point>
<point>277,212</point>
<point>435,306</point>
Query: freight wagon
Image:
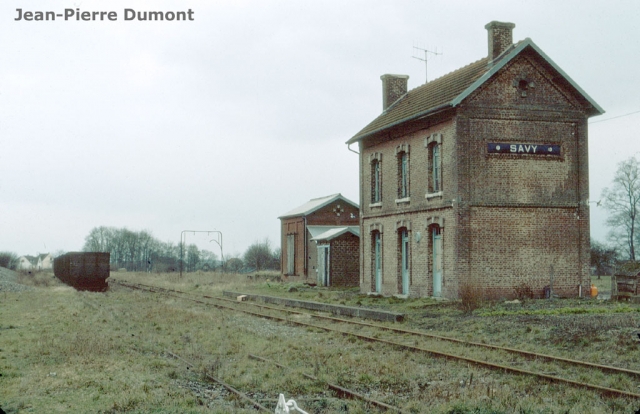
<point>83,271</point>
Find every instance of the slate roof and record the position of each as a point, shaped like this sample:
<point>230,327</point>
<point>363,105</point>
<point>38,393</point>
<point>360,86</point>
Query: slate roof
<point>451,89</point>
<point>315,204</point>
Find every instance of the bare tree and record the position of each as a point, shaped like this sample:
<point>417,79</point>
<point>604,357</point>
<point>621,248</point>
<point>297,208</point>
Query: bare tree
<point>98,239</point>
<point>8,260</point>
<point>259,255</point>
<point>603,258</point>
<point>232,263</point>
<point>622,200</point>
<point>193,258</point>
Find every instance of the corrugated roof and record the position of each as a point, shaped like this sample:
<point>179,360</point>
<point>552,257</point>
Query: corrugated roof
<point>315,204</point>
<point>451,89</point>
<point>334,232</point>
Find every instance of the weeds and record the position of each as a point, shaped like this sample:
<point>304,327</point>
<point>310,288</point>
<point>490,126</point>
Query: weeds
<point>524,291</point>
<point>37,278</point>
<point>107,353</point>
<point>471,297</point>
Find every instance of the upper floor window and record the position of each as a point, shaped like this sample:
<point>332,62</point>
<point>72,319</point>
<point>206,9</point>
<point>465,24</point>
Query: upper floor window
<point>434,146</point>
<point>375,182</point>
<point>436,177</point>
<point>375,161</point>
<point>402,152</point>
<point>403,175</point>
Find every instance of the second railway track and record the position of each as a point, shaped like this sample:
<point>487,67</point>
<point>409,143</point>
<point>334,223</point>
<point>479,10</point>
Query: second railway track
<point>515,361</point>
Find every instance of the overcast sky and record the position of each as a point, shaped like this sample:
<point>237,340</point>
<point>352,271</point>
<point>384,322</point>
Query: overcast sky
<point>230,120</point>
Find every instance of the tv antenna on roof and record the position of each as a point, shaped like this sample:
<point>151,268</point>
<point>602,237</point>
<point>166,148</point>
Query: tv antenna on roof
<point>425,59</point>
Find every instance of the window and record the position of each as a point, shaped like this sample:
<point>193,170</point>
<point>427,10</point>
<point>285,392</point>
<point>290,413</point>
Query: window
<point>436,180</point>
<point>402,154</point>
<point>434,171</point>
<point>375,159</point>
<point>403,175</point>
<point>375,182</point>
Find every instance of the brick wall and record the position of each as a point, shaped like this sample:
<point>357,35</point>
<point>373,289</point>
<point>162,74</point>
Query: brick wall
<point>295,226</point>
<point>508,220</point>
<point>420,252</point>
<point>345,267</point>
<point>515,247</point>
<point>304,247</point>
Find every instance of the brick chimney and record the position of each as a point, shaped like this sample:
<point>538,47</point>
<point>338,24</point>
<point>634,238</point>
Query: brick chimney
<point>393,87</point>
<point>500,37</point>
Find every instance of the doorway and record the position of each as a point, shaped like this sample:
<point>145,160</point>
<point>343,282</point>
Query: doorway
<point>323,265</point>
<point>377,261</point>
<point>404,260</point>
<point>436,239</point>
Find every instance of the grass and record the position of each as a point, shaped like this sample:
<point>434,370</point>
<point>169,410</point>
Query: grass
<point>84,352</point>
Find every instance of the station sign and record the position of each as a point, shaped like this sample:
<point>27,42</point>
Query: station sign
<point>522,148</point>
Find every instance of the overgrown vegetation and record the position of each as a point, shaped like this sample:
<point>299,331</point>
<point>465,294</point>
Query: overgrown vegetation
<point>107,352</point>
<point>471,297</point>
<point>37,278</point>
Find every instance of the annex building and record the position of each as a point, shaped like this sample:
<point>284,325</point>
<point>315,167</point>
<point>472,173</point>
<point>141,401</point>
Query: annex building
<point>320,242</point>
<point>478,179</point>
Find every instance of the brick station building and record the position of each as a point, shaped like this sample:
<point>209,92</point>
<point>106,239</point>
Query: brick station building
<point>478,179</point>
<point>320,242</point>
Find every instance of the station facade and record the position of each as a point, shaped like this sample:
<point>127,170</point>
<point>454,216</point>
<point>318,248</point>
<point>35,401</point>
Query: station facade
<point>478,180</point>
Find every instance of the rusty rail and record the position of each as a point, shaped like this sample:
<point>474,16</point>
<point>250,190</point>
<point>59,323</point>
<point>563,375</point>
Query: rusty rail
<point>342,392</point>
<point>486,364</point>
<point>224,384</point>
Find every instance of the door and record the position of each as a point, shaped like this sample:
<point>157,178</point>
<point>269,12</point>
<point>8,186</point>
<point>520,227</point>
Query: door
<point>377,243</point>
<point>323,265</point>
<point>437,260</point>
<point>291,248</point>
<point>405,261</point>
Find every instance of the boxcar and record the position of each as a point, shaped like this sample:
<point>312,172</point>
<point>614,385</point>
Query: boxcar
<point>83,271</point>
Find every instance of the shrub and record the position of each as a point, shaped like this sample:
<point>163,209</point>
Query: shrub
<point>524,291</point>
<point>471,297</point>
<point>35,278</point>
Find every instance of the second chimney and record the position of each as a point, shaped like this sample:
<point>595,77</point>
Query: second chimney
<point>500,37</point>
<point>393,87</point>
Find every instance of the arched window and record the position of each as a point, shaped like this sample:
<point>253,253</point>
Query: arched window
<point>376,195</point>
<point>375,160</point>
<point>434,171</point>
<point>403,175</point>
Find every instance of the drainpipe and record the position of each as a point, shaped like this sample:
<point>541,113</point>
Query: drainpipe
<point>305,251</point>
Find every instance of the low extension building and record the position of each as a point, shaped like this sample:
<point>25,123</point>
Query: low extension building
<point>478,180</point>
<point>320,242</point>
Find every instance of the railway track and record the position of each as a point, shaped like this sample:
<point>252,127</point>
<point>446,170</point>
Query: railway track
<point>340,391</point>
<point>541,366</point>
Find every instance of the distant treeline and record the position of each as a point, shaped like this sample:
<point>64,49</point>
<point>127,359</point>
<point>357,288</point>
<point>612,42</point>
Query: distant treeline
<point>140,251</point>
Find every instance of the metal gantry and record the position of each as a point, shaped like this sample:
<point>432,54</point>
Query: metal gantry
<point>183,240</point>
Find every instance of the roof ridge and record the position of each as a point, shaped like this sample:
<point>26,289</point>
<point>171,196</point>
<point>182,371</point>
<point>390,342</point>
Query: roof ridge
<point>450,73</point>
<point>328,196</point>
